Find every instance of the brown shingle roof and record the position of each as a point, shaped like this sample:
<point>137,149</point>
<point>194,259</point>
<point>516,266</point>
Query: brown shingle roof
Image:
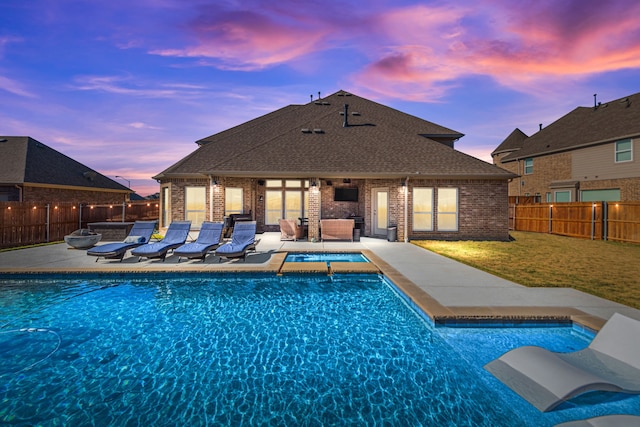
<point>311,140</point>
<point>512,143</point>
<point>583,127</point>
<point>27,161</point>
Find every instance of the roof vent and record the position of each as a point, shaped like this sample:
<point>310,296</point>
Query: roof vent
<point>346,116</point>
<point>355,113</point>
<point>318,131</point>
<point>3,140</point>
<point>622,101</point>
<point>90,175</point>
<point>306,130</point>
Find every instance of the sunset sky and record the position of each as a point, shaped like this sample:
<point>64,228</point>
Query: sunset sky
<point>127,87</point>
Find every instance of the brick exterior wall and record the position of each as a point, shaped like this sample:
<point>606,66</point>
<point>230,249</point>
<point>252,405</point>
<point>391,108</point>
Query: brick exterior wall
<point>482,209</point>
<point>177,196</point>
<point>314,215</point>
<point>545,170</point>
<point>332,209</point>
<point>558,167</point>
<point>44,194</point>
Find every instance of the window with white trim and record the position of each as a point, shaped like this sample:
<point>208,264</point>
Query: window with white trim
<point>166,208</point>
<point>422,209</point>
<point>447,209</point>
<point>528,166</point>
<point>195,208</point>
<point>624,150</point>
<point>286,199</point>
<point>233,201</point>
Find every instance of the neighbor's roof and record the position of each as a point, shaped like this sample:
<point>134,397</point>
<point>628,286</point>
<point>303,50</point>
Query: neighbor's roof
<point>24,160</point>
<point>311,140</point>
<point>584,126</point>
<point>512,143</point>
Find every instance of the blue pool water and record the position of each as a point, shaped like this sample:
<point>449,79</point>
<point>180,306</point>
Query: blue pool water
<point>324,256</point>
<point>254,350</point>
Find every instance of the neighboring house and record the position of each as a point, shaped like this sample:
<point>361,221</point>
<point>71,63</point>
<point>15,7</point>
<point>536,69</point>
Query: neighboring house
<point>32,172</point>
<point>338,157</point>
<point>590,154</point>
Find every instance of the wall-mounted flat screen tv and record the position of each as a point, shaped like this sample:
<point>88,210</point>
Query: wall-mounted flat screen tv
<point>345,194</point>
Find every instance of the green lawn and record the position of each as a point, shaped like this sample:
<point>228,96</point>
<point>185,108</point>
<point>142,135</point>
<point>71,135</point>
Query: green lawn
<point>606,269</point>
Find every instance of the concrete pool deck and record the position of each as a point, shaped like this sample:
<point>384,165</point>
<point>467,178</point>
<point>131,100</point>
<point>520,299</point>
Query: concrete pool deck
<point>446,290</point>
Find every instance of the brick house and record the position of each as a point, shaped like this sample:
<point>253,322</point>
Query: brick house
<point>590,154</point>
<point>341,156</point>
<point>30,171</point>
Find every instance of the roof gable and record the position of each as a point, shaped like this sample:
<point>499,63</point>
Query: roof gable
<point>319,139</point>
<point>585,126</point>
<point>512,143</point>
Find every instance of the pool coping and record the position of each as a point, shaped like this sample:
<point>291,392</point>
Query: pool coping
<point>480,315</point>
<point>440,314</point>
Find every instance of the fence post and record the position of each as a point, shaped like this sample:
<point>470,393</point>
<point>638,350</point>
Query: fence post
<point>605,220</point>
<point>80,215</point>
<point>550,219</point>
<point>593,221</point>
<point>123,210</point>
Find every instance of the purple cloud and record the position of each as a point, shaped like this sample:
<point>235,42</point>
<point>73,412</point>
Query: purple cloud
<point>423,49</point>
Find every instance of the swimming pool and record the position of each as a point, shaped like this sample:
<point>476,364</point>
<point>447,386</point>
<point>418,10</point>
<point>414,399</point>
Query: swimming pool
<point>192,349</point>
<point>326,256</point>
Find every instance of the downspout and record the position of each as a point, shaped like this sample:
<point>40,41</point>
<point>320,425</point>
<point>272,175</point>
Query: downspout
<point>406,210</point>
<point>519,180</point>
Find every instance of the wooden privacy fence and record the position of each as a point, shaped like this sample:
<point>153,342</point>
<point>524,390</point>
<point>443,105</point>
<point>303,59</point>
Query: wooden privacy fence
<point>25,223</point>
<point>617,221</point>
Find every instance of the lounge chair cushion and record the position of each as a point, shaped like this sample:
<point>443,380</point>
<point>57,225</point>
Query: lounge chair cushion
<point>134,239</point>
<point>242,240</point>
<point>208,239</point>
<point>175,236</point>
<point>142,230</point>
<point>546,379</point>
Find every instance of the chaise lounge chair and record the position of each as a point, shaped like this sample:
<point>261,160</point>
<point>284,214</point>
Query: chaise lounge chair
<point>243,240</point>
<point>139,235</point>
<point>176,236</point>
<point>208,239</point>
<point>546,379</point>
